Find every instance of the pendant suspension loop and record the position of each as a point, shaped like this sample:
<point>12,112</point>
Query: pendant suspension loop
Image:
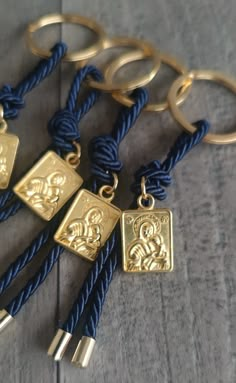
<point>145,197</point>
<point>73,158</point>
<point>3,124</point>
<point>107,192</point>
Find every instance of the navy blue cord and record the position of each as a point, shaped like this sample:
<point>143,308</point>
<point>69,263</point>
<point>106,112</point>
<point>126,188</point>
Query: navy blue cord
<point>78,307</point>
<point>29,253</point>
<point>100,291</point>
<point>63,127</point>
<point>12,98</point>
<point>67,131</point>
<point>181,147</point>
<point>28,290</point>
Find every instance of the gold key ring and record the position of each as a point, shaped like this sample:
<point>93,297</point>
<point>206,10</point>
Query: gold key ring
<point>145,51</point>
<point>125,99</point>
<point>56,18</point>
<point>178,115</point>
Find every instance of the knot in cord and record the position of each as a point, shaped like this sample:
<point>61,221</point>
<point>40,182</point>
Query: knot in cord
<point>12,98</point>
<point>157,174</point>
<point>104,150</point>
<point>63,127</point>
<point>11,103</point>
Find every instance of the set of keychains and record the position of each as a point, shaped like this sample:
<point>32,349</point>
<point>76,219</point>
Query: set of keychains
<point>89,227</point>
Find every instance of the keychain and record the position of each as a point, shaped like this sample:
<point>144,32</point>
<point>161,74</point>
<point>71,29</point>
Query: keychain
<point>11,101</point>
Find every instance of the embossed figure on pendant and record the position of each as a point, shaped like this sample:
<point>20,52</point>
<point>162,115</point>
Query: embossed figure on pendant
<point>84,234</point>
<point>44,192</point>
<point>147,251</point>
<point>3,163</point>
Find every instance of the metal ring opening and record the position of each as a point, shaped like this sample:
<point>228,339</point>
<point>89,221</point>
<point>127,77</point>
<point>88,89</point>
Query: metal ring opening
<point>56,18</point>
<point>125,99</point>
<point>149,198</point>
<point>178,115</point>
<point>143,50</point>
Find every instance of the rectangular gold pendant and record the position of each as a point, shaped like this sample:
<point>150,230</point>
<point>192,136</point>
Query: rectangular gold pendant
<point>87,225</point>
<point>48,185</point>
<point>8,149</point>
<point>147,240</point>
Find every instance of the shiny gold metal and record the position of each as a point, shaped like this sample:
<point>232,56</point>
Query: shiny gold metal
<point>125,99</point>
<point>83,352</point>
<point>8,149</point>
<point>56,18</point>
<point>143,50</point>
<point>147,240</point>
<point>182,81</point>
<point>59,344</point>
<point>73,158</point>
<point>48,185</point>
<point>87,225</point>
<point>5,319</point>
<point>107,192</point>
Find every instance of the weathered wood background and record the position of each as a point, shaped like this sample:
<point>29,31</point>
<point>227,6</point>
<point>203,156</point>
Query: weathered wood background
<point>178,327</point>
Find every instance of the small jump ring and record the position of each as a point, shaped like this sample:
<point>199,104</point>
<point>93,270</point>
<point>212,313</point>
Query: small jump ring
<point>125,99</point>
<point>143,50</point>
<point>178,115</point>
<point>56,18</point>
<point>150,199</point>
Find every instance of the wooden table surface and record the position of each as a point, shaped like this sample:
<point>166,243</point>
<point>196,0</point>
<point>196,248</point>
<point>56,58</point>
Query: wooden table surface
<point>177,327</point>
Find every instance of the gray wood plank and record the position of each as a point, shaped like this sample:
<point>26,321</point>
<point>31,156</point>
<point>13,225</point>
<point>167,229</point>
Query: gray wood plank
<point>170,328</point>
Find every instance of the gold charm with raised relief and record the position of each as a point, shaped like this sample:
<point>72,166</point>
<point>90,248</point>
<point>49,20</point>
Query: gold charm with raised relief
<point>147,239</point>
<point>8,149</point>
<point>89,222</point>
<point>49,184</point>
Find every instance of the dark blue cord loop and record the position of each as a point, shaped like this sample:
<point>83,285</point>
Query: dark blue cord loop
<point>12,98</point>
<point>103,150</point>
<point>157,174</point>
<point>63,127</point>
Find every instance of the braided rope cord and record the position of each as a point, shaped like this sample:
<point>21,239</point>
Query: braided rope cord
<point>181,147</point>
<point>63,134</point>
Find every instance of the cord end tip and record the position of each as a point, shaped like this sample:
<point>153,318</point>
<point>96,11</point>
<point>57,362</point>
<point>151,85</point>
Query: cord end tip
<point>5,319</point>
<point>83,352</point>
<point>59,344</point>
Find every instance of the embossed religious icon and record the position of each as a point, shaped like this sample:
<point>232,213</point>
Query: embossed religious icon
<point>88,223</point>
<point>147,241</point>
<point>8,149</point>
<point>49,184</point>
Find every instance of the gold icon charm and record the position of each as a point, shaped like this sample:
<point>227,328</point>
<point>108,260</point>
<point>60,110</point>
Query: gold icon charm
<point>147,241</point>
<point>88,223</point>
<point>48,185</point>
<point>8,149</point>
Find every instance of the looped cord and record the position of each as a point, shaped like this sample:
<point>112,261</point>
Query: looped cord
<point>157,174</point>
<point>182,146</point>
<point>103,150</point>
<point>63,127</point>
<point>12,99</point>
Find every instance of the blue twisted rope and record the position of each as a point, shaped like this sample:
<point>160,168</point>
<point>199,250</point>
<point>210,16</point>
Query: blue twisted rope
<point>61,122</point>
<point>100,291</point>
<point>29,253</point>
<point>63,127</point>
<point>182,146</point>
<point>12,98</point>
<point>157,174</point>
<point>33,284</point>
<point>78,307</point>
<point>104,150</point>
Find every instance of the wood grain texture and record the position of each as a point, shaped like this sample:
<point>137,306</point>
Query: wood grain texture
<point>172,328</point>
